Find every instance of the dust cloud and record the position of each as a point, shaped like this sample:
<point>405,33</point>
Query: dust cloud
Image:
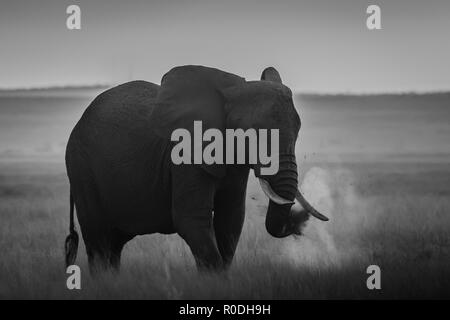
<point>336,242</point>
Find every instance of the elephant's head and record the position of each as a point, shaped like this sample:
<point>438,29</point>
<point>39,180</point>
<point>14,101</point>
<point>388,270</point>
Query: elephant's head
<point>223,100</point>
<point>268,104</point>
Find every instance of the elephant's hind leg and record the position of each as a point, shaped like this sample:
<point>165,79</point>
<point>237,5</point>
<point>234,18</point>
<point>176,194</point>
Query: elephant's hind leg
<point>103,243</point>
<point>104,251</point>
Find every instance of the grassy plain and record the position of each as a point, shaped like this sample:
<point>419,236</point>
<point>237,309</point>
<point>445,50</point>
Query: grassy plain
<point>379,166</point>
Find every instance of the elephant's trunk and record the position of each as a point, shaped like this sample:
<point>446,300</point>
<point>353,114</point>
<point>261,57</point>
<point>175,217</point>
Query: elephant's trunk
<point>284,185</point>
<point>282,189</point>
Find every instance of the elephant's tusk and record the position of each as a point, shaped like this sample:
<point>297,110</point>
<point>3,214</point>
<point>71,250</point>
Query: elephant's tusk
<point>272,194</point>
<point>309,207</point>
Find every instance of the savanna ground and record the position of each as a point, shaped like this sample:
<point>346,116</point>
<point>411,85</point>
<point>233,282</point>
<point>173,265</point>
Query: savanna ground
<point>378,166</point>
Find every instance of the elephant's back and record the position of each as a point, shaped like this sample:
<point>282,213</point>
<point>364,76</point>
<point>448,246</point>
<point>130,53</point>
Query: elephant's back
<point>131,101</point>
<point>118,112</point>
<point>116,124</point>
<point>138,91</point>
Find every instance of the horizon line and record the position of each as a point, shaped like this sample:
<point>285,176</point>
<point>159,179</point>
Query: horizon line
<point>296,92</point>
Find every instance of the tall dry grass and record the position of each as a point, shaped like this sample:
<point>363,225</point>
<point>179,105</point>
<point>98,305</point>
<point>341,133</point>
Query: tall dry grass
<point>390,215</point>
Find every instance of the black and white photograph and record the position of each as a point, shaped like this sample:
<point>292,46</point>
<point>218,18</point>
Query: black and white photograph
<point>244,150</point>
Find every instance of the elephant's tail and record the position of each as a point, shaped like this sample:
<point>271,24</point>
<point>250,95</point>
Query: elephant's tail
<point>71,245</point>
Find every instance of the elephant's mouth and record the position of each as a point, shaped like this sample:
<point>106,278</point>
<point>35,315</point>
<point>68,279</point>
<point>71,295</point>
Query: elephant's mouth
<point>273,196</point>
<point>285,217</point>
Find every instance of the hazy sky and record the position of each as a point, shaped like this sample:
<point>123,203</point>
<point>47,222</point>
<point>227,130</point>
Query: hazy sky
<point>316,45</point>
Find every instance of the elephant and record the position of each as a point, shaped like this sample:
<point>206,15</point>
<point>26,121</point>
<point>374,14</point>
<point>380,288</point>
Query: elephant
<point>124,184</point>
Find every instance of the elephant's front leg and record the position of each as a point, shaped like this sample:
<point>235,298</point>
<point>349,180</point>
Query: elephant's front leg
<point>192,204</point>
<point>229,212</point>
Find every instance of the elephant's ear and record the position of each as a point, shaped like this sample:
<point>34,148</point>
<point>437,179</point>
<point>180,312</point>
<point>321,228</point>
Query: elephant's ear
<point>271,74</point>
<point>188,94</point>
